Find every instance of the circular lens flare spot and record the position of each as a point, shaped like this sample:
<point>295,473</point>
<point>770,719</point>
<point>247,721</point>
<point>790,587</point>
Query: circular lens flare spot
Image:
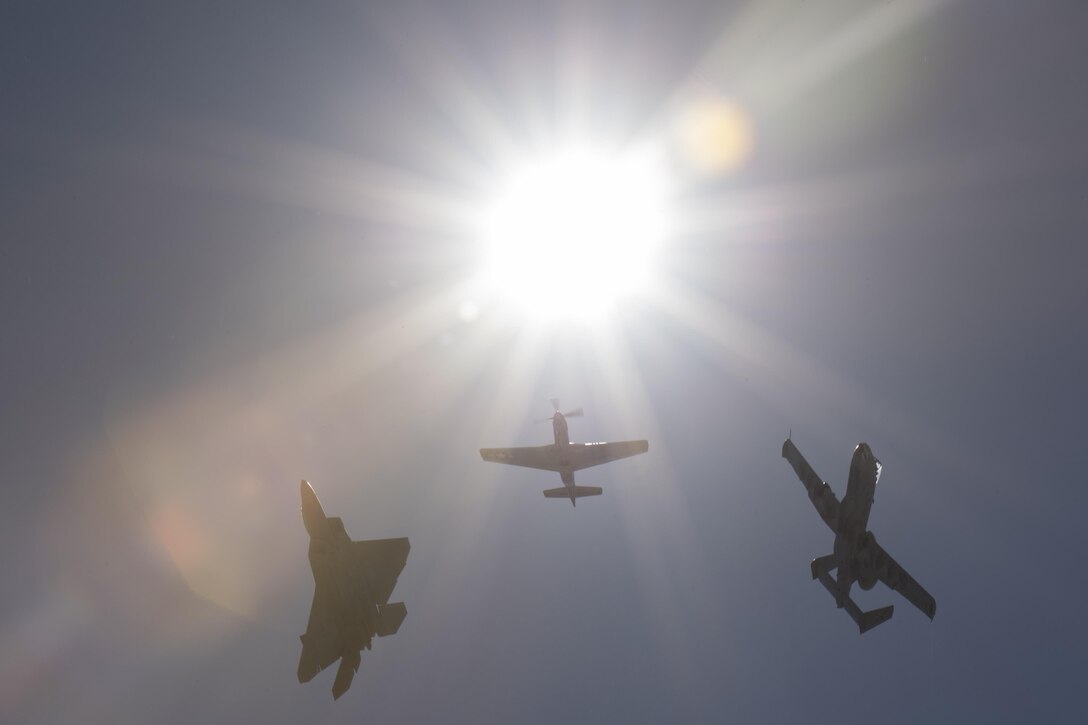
<point>715,135</point>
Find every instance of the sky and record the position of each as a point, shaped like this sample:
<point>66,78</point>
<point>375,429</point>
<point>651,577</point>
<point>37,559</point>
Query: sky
<point>239,249</point>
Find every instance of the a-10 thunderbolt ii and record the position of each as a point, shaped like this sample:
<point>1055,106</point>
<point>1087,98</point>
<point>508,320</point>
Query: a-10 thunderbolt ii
<point>353,581</point>
<point>857,556</point>
<point>565,457</point>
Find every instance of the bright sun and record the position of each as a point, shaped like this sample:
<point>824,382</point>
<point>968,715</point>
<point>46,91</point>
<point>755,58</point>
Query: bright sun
<point>571,234</point>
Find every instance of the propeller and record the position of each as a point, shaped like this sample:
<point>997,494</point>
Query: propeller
<point>576,413</point>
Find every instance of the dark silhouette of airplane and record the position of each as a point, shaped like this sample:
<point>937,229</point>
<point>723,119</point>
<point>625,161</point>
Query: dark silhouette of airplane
<point>565,457</point>
<point>353,581</point>
<point>857,556</point>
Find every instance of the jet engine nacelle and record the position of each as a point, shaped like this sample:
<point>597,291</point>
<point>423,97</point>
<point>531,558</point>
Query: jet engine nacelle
<point>867,564</point>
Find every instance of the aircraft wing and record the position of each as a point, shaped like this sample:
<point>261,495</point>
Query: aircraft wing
<point>321,644</point>
<point>823,498</point>
<point>381,561</point>
<point>584,455</point>
<point>897,578</point>
<point>541,457</point>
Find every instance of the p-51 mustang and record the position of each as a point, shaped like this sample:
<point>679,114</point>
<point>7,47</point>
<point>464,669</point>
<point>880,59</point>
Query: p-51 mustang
<point>565,457</point>
<point>857,556</point>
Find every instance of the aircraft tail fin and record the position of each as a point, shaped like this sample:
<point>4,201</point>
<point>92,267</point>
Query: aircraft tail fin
<point>573,491</point>
<point>390,617</point>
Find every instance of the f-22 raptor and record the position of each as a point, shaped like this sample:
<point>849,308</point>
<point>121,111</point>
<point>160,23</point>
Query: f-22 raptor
<point>565,457</point>
<point>857,556</point>
<point>353,581</point>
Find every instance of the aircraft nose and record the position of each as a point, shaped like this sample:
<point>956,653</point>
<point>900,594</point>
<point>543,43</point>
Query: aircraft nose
<point>312,514</point>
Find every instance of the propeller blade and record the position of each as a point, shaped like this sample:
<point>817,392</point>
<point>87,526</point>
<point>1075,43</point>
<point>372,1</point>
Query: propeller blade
<point>544,420</point>
<point>576,413</point>
<point>555,404</point>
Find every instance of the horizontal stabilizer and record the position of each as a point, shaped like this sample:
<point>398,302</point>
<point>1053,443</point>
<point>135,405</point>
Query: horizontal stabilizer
<point>873,617</point>
<point>573,491</point>
<point>864,620</point>
<point>390,617</point>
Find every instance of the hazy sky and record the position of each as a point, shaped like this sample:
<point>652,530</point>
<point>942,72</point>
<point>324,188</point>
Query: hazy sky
<point>235,253</point>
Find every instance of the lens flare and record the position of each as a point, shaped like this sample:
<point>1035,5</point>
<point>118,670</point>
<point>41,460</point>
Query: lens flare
<point>715,135</point>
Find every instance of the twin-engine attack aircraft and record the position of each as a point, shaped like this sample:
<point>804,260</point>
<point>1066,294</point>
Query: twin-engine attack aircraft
<point>353,581</point>
<point>857,556</point>
<point>565,457</point>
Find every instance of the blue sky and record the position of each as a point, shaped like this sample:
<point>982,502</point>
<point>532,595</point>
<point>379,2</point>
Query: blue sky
<point>234,256</point>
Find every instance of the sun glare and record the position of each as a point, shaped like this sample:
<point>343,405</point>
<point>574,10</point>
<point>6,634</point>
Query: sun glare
<point>571,234</point>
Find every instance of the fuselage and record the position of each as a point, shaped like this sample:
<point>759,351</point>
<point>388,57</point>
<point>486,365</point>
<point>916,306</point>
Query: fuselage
<point>332,564</point>
<point>858,501</point>
<point>852,555</point>
<point>562,446</point>
<point>559,427</point>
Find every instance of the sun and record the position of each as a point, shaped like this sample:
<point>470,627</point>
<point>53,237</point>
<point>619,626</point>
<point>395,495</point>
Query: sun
<point>571,234</point>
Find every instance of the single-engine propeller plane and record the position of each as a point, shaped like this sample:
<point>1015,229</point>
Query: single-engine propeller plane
<point>857,556</point>
<point>565,457</point>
